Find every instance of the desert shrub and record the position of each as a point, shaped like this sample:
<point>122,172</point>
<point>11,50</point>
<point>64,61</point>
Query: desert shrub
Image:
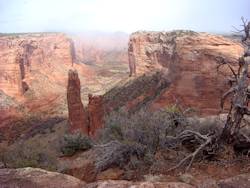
<point>144,127</point>
<point>21,156</point>
<point>140,135</point>
<point>72,143</point>
<point>115,153</point>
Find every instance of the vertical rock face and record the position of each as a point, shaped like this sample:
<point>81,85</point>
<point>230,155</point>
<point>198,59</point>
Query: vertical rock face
<point>190,60</point>
<point>26,57</point>
<point>78,118</point>
<point>86,121</point>
<point>96,114</point>
<point>131,57</point>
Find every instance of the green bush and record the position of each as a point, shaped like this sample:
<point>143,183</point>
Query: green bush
<point>73,143</point>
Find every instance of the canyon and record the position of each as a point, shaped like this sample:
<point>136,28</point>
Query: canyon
<point>166,68</point>
<point>34,73</point>
<point>54,84</point>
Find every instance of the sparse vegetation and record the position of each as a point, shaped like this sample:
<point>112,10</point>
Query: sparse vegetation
<point>22,155</point>
<point>73,143</point>
<point>231,135</point>
<point>131,141</point>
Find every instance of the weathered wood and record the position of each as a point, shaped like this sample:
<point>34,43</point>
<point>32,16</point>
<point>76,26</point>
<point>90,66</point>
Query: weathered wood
<point>238,103</point>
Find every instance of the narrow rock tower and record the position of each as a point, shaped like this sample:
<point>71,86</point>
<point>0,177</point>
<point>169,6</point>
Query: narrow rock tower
<point>96,114</point>
<point>78,117</point>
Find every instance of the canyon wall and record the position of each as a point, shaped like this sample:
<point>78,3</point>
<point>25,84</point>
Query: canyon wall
<point>23,57</point>
<point>190,60</point>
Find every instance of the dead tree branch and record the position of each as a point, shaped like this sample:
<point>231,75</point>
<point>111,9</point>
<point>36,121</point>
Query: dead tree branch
<point>204,141</point>
<point>246,29</point>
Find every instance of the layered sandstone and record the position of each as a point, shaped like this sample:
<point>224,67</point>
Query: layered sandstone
<point>190,60</point>
<point>78,117</point>
<point>27,57</point>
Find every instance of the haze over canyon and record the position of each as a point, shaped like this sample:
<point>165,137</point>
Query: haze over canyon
<point>124,94</point>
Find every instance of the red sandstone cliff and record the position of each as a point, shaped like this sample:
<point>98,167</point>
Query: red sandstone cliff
<point>27,58</point>
<point>190,60</point>
<point>34,71</point>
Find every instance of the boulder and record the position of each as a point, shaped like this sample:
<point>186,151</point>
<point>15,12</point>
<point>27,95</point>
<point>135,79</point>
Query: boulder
<point>35,177</point>
<point>240,181</point>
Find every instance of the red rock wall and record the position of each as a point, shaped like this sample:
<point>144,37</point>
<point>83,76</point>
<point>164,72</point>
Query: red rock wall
<point>24,56</point>
<point>78,116</point>
<point>191,62</point>
<point>10,74</point>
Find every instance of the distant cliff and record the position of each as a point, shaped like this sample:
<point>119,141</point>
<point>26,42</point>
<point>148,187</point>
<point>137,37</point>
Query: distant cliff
<point>190,60</point>
<point>24,57</point>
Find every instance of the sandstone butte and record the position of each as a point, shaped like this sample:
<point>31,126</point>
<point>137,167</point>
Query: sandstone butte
<point>189,60</point>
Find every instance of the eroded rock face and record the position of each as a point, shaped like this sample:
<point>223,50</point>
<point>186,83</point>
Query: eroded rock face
<point>23,57</point>
<point>34,177</point>
<point>89,120</point>
<point>191,60</point>
<point>96,114</point>
<point>78,117</point>
<point>136,93</point>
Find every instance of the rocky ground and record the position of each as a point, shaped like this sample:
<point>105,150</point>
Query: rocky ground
<point>34,177</point>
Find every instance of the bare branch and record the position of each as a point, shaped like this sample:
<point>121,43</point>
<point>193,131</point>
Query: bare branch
<point>226,95</point>
<point>192,156</point>
<point>222,62</point>
<point>244,21</point>
<point>237,30</point>
<point>232,70</point>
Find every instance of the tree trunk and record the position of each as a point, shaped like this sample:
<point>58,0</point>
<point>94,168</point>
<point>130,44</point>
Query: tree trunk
<point>239,104</point>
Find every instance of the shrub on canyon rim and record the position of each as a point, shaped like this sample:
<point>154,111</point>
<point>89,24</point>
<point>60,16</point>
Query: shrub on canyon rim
<point>142,134</point>
<point>144,127</point>
<point>73,143</point>
<point>20,156</point>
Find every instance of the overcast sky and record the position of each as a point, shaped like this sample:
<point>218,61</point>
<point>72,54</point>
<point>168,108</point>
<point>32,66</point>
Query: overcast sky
<point>121,15</point>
